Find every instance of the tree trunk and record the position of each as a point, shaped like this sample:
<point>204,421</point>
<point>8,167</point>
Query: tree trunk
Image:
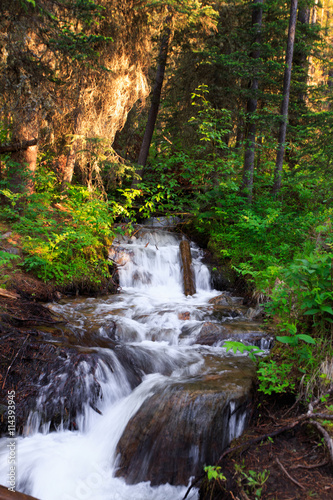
<point>155,101</point>
<point>22,175</point>
<point>301,57</point>
<point>186,259</point>
<point>247,184</point>
<point>301,70</point>
<point>71,157</point>
<point>69,168</point>
<point>286,94</point>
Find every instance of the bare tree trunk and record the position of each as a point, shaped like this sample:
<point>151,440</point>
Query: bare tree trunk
<point>239,134</point>
<point>23,174</point>
<point>286,93</point>
<point>71,156</point>
<point>69,168</point>
<point>155,101</point>
<point>301,75</point>
<point>252,103</point>
<point>301,57</point>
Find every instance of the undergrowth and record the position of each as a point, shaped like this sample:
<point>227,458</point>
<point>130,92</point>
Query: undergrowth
<point>64,236</point>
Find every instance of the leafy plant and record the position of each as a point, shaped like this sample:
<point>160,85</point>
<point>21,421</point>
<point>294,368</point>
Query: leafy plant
<point>214,472</point>
<point>274,378</point>
<point>239,346</point>
<point>254,480</point>
<point>7,257</point>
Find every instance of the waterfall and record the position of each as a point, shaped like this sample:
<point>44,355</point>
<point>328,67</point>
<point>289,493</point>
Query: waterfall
<point>153,380</point>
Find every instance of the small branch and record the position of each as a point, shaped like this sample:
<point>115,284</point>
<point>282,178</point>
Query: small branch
<point>321,464</point>
<point>17,146</point>
<point>327,437</point>
<point>314,403</point>
<point>323,416</point>
<point>11,364</point>
<point>288,475</point>
<point>243,495</point>
<point>9,295</point>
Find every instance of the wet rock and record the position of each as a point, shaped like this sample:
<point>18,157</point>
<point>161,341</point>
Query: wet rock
<point>221,300</point>
<point>221,313</point>
<point>188,425</point>
<point>185,316</point>
<point>119,255</point>
<point>211,333</point>
<point>142,277</point>
<point>248,332</point>
<point>254,313</point>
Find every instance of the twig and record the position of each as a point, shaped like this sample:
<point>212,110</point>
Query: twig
<point>300,466</point>
<point>323,416</point>
<point>319,400</point>
<point>194,482</point>
<point>38,319</point>
<point>243,495</point>
<point>11,364</point>
<point>327,437</point>
<point>9,295</point>
<point>288,475</point>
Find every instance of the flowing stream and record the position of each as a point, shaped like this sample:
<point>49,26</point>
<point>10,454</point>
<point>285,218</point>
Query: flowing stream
<point>146,349</point>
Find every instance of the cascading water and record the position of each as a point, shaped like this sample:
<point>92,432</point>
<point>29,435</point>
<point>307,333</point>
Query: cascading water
<point>147,362</point>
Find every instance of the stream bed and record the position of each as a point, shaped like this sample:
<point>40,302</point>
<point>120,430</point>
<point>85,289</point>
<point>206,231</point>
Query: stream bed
<point>154,395</point>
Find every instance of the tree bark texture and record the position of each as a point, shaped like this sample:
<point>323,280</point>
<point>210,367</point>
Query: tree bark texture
<point>20,172</point>
<point>286,93</point>
<point>188,276</point>
<point>71,156</point>
<point>23,175</point>
<point>155,100</point>
<point>252,103</point>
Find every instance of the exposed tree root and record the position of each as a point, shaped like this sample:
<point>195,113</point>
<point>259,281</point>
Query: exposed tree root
<point>328,440</point>
<point>288,475</point>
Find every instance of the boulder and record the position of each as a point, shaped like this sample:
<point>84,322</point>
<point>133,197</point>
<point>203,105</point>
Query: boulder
<point>221,300</point>
<point>187,425</point>
<point>211,333</point>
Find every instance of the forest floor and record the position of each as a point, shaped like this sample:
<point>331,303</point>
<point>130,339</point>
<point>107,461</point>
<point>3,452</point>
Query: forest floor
<point>292,465</point>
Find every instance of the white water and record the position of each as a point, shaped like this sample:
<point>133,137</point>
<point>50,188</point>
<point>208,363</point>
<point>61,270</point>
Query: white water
<point>149,314</point>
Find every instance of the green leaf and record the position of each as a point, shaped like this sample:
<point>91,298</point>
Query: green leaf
<point>327,309</point>
<point>312,311</point>
<point>306,338</point>
<point>287,340</point>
